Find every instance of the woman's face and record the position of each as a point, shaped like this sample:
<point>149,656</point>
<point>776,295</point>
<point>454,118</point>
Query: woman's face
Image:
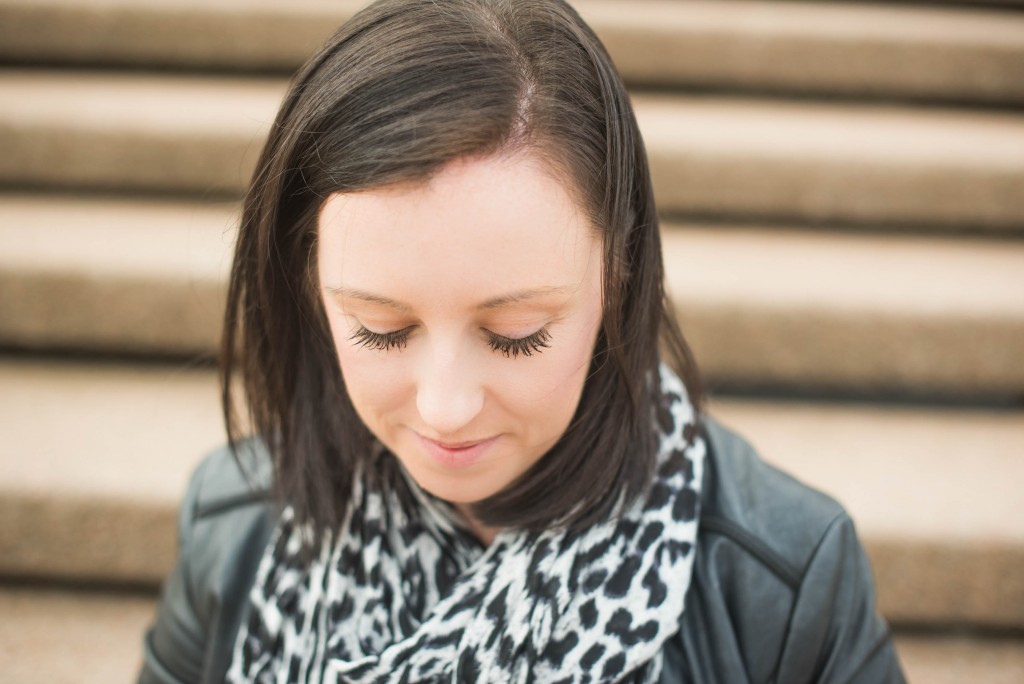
<point>464,311</point>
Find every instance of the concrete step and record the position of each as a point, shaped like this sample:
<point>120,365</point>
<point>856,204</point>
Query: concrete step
<point>92,494</point>
<point>124,275</point>
<point>769,306</point>
<point>935,494</point>
<point>866,164</point>
<point>101,642</point>
<point>711,156</point>
<point>837,48</point>
<point>822,48</point>
<point>96,459</point>
<point>100,635</point>
<point>763,307</point>
<point>957,659</point>
<point>163,133</point>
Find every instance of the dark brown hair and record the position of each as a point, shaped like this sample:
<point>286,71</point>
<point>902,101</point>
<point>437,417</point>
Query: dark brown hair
<point>399,91</point>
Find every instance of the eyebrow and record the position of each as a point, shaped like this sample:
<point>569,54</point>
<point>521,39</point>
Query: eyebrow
<point>523,295</point>
<point>362,295</point>
<point>498,302</point>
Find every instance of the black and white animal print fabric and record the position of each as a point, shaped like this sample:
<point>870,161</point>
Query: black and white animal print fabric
<point>407,595</point>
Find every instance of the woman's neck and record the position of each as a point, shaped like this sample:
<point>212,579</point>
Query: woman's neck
<point>485,534</point>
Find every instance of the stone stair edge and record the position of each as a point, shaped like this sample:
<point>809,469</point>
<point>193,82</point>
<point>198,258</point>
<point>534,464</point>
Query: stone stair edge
<point>132,543</point>
<point>790,308</point>
<point>101,635</point>
<point>713,156</point>
<point>118,486</point>
<point>963,53</point>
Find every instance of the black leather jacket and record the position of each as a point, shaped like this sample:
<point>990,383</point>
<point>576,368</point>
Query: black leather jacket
<point>782,591</point>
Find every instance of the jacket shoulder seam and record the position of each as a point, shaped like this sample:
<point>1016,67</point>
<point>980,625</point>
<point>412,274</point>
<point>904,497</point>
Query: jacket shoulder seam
<point>798,589</point>
<point>789,574</point>
<point>229,503</point>
<point>832,524</point>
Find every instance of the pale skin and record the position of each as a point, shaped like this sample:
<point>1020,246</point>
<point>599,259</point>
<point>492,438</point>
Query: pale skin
<point>464,311</point>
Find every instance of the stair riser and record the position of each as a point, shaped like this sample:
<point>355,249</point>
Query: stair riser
<point>936,585</point>
<point>837,190</point>
<point>85,312</point>
<point>687,182</point>
<point>136,543</point>
<point>738,344</point>
<point>122,161</point>
<point>96,501</point>
<point>824,49</point>
<point>101,638</point>
<point>746,347</point>
<point>69,539</point>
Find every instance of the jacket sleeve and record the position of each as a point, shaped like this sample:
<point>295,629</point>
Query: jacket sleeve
<point>836,634</point>
<point>174,645</point>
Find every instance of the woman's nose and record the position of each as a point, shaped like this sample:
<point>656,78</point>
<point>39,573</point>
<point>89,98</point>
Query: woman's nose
<point>448,396</point>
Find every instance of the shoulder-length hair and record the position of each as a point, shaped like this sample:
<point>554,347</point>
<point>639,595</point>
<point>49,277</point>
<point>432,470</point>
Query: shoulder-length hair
<point>399,91</point>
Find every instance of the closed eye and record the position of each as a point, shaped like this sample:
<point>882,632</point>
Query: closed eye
<point>513,347</point>
<point>508,346</point>
<point>396,339</point>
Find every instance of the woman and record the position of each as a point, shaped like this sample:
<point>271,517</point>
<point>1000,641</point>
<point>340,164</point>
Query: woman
<point>446,306</point>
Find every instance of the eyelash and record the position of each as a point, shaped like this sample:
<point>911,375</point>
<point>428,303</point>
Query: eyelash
<point>508,346</point>
<point>382,341</point>
<point>524,345</point>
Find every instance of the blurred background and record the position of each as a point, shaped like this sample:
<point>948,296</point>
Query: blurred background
<point>842,185</point>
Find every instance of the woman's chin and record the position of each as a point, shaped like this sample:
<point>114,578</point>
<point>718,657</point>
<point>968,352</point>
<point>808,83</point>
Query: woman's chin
<point>457,489</point>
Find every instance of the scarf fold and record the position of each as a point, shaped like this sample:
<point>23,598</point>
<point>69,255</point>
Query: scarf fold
<point>404,593</point>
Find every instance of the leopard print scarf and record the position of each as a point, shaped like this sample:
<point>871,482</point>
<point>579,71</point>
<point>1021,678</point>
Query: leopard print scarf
<point>410,596</point>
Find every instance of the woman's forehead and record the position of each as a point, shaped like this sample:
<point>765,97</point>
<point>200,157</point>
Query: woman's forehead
<point>500,224</point>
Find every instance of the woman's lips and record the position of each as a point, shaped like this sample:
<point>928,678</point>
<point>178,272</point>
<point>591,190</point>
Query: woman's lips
<point>456,455</point>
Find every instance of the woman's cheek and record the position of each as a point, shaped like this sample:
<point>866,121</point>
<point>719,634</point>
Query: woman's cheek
<point>553,379</point>
<point>374,379</point>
